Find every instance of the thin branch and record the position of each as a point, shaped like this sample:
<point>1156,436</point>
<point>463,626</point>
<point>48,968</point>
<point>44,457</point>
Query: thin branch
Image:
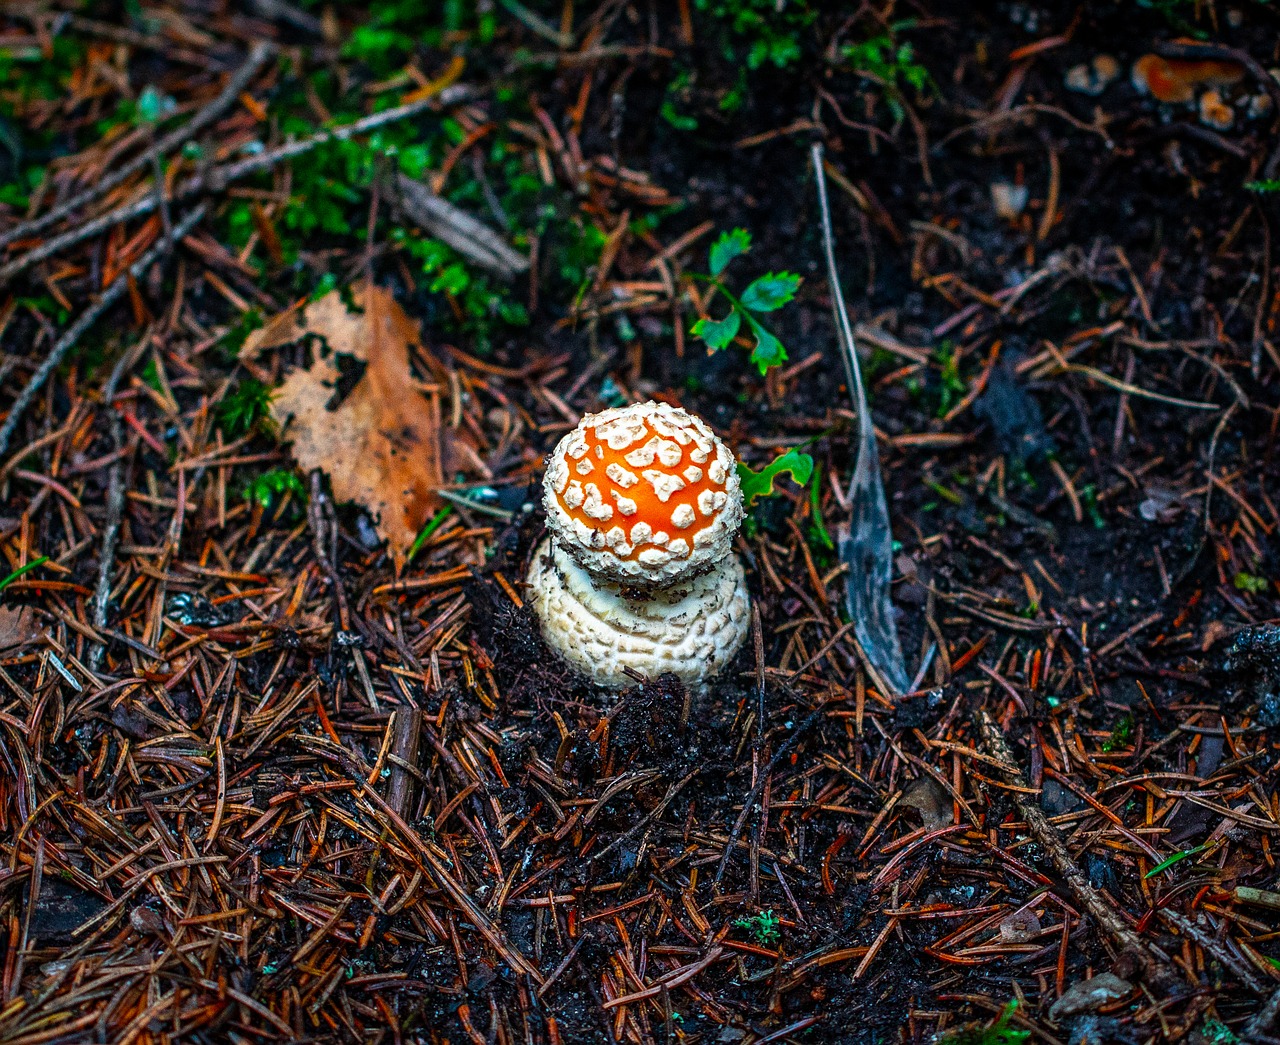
<point>115,500</point>
<point>109,297</point>
<point>1154,968</point>
<point>236,85</point>
<point>753,796</point>
<point>218,178</point>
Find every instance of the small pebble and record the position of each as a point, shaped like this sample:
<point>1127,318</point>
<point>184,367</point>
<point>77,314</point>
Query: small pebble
<point>1010,200</point>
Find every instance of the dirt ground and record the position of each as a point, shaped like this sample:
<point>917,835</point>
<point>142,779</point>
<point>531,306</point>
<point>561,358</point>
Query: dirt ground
<point>265,776</point>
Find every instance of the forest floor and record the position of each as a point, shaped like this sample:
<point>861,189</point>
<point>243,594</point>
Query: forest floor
<point>282,755</point>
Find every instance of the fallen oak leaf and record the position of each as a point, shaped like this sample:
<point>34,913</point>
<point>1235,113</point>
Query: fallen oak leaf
<point>381,444</point>
<point>328,317</point>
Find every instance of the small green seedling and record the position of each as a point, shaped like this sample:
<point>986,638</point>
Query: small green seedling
<point>269,487</point>
<point>1164,865</point>
<point>1215,1032</point>
<point>763,927</point>
<point>21,570</point>
<point>1251,583</point>
<point>768,293</point>
<point>759,484</point>
<point>432,525</point>
<point>819,529</point>
<point>889,63</point>
<point>771,30</point>
<point>998,1033</point>
<point>243,407</point>
<point>1089,498</point>
<point>1120,734</point>
<point>952,386</point>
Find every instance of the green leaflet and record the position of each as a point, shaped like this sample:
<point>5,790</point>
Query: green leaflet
<point>1164,865</point>
<point>730,245</point>
<point>770,292</point>
<point>755,485</point>
<point>717,333</point>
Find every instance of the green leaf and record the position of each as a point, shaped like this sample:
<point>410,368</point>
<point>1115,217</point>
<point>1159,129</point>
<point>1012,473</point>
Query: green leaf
<point>1251,583</point>
<point>23,569</point>
<point>452,279</point>
<point>730,245</point>
<point>768,351</point>
<point>1164,865</point>
<point>433,524</point>
<point>153,106</point>
<point>819,530</point>
<point>770,291</point>
<point>717,333</point>
<point>677,119</point>
<point>269,487</point>
<point>755,485</point>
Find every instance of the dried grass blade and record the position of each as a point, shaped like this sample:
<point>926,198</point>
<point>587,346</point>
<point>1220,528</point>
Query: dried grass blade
<point>866,544</point>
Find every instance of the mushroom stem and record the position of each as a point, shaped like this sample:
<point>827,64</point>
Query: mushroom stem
<point>691,629</point>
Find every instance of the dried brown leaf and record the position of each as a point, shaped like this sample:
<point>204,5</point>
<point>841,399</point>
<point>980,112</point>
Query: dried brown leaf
<point>381,444</point>
<point>327,317</point>
<point>18,626</point>
<point>934,804</point>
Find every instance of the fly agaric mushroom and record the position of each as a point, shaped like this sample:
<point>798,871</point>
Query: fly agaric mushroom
<point>642,503</point>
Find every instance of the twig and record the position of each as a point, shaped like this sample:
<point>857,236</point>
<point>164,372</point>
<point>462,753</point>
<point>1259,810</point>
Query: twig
<point>1153,967</point>
<point>217,178</point>
<point>109,297</point>
<point>1263,1020</point>
<point>648,819</point>
<point>115,500</point>
<point>259,53</point>
<point>538,24</point>
<point>278,10</point>
<point>558,971</point>
<point>316,517</point>
<point>1207,940</point>
<point>467,235</point>
<point>753,796</point>
<point>406,732</point>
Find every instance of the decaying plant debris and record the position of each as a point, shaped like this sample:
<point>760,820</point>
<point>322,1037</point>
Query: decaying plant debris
<point>282,756</point>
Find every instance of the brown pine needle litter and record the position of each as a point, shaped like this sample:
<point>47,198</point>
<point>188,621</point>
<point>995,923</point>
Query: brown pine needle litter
<point>296,297</point>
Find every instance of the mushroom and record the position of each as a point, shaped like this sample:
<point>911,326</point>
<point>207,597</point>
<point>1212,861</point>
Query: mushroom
<point>1214,112</point>
<point>1175,80</point>
<point>1095,77</point>
<point>637,573</point>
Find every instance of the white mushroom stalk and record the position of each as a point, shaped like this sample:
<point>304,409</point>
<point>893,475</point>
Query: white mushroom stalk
<point>642,506</point>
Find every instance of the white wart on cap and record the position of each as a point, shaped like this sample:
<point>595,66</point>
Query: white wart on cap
<point>691,629</point>
<point>644,495</point>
